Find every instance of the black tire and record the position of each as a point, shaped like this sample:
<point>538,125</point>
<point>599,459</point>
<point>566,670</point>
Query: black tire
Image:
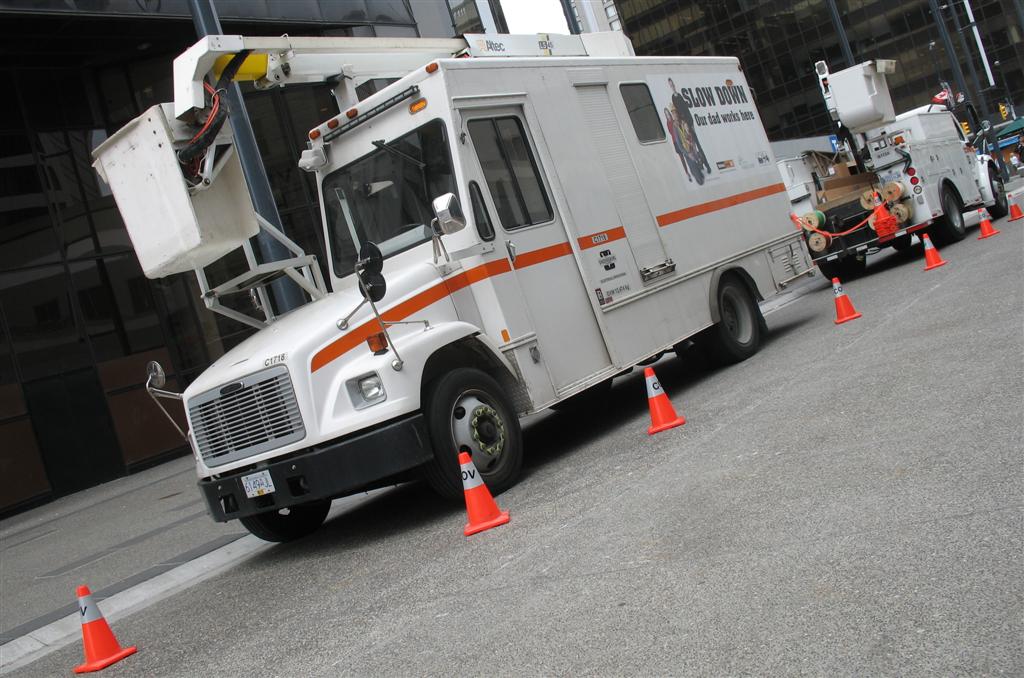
<point>844,269</point>
<point>830,269</point>
<point>288,524</point>
<point>1001,207</point>
<point>902,243</point>
<point>950,227</point>
<point>450,402</point>
<point>737,336</point>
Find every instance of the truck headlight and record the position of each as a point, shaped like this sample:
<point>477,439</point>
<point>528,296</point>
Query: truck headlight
<point>371,388</point>
<point>366,390</point>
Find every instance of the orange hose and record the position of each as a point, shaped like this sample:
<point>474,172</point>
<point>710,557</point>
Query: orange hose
<point>800,225</point>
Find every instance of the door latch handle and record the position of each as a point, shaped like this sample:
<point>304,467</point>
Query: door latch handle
<point>511,247</point>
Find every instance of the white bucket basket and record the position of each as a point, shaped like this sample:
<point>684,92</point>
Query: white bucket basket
<point>862,95</point>
<point>173,230</point>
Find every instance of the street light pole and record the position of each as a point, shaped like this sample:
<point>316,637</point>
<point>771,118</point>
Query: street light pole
<point>935,62</point>
<point>287,296</point>
<point>982,99</point>
<point>837,24</point>
<point>958,75</point>
<point>1006,89</point>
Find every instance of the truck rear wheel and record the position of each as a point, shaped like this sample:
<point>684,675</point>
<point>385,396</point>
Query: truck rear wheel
<point>850,267</point>
<point>288,524</point>
<point>467,411</point>
<point>737,336</point>
<point>950,227</point>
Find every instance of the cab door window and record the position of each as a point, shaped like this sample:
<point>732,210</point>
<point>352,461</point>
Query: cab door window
<point>510,171</point>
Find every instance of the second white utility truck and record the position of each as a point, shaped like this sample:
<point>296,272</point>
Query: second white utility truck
<point>510,222</point>
<point>918,163</point>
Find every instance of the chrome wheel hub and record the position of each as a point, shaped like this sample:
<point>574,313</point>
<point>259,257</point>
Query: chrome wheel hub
<point>477,428</point>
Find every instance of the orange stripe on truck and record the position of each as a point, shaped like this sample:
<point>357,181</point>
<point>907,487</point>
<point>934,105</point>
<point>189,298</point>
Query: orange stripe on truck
<point>431,295</point>
<point>720,204</point>
<point>600,238</point>
<point>543,254</point>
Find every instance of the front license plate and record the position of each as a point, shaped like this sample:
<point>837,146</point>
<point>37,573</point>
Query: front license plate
<point>258,484</point>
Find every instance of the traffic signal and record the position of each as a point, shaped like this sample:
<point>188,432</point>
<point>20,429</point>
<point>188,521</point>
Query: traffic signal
<point>966,127</point>
<point>1003,111</point>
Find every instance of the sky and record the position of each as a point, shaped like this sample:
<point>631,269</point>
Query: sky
<point>534,16</point>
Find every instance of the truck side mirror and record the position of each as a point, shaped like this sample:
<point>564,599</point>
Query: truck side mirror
<point>155,374</point>
<point>368,270</point>
<point>450,218</point>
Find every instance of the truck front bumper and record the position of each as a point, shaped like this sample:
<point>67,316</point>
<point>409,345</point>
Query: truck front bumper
<point>362,462</point>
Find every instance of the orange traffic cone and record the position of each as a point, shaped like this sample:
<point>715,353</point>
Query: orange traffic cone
<point>663,415</point>
<point>481,510</point>
<point>844,307</point>
<point>931,255</point>
<point>987,231</point>
<point>101,647</point>
<point>1015,212</point>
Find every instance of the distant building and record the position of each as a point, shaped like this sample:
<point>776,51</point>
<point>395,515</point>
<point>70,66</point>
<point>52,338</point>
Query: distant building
<point>78,320</point>
<point>593,16</point>
<point>778,41</point>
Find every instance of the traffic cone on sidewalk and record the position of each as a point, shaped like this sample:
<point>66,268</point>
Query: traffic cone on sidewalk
<point>987,231</point>
<point>1015,212</point>
<point>482,513</point>
<point>932,258</point>
<point>101,647</point>
<point>844,307</point>
<point>663,415</point>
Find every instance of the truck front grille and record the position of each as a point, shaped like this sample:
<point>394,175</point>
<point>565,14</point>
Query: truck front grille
<point>245,418</point>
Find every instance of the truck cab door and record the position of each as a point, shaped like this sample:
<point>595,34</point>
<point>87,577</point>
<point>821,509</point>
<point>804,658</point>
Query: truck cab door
<point>504,171</point>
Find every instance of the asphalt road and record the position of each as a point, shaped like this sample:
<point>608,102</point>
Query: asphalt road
<point>847,502</point>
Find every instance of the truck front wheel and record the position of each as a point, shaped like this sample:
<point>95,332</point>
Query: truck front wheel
<point>1001,207</point>
<point>467,411</point>
<point>288,524</point>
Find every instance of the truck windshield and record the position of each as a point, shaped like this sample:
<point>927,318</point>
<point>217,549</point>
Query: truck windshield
<point>385,197</point>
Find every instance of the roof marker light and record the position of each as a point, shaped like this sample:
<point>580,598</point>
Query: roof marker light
<point>417,106</point>
<point>431,67</point>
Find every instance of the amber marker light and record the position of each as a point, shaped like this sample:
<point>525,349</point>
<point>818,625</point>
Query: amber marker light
<point>314,134</point>
<point>351,113</point>
<point>431,67</point>
<point>332,123</point>
<point>417,106</point>
<point>378,343</point>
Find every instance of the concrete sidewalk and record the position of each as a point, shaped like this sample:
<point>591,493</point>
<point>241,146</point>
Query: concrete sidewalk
<point>110,537</point>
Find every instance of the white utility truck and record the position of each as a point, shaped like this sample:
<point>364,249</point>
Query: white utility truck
<point>918,163</point>
<point>512,221</point>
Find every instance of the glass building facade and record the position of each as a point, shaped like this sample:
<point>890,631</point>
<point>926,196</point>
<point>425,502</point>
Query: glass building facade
<point>78,320</point>
<point>778,42</point>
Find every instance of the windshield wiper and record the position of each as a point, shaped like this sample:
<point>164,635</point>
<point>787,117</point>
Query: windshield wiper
<point>381,144</point>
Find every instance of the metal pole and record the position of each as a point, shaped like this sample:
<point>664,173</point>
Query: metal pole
<point>982,99</point>
<point>286,296</point>
<point>570,18</point>
<point>973,25</point>
<point>935,62</point>
<point>1006,88</point>
<point>958,75</point>
<point>837,23</point>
